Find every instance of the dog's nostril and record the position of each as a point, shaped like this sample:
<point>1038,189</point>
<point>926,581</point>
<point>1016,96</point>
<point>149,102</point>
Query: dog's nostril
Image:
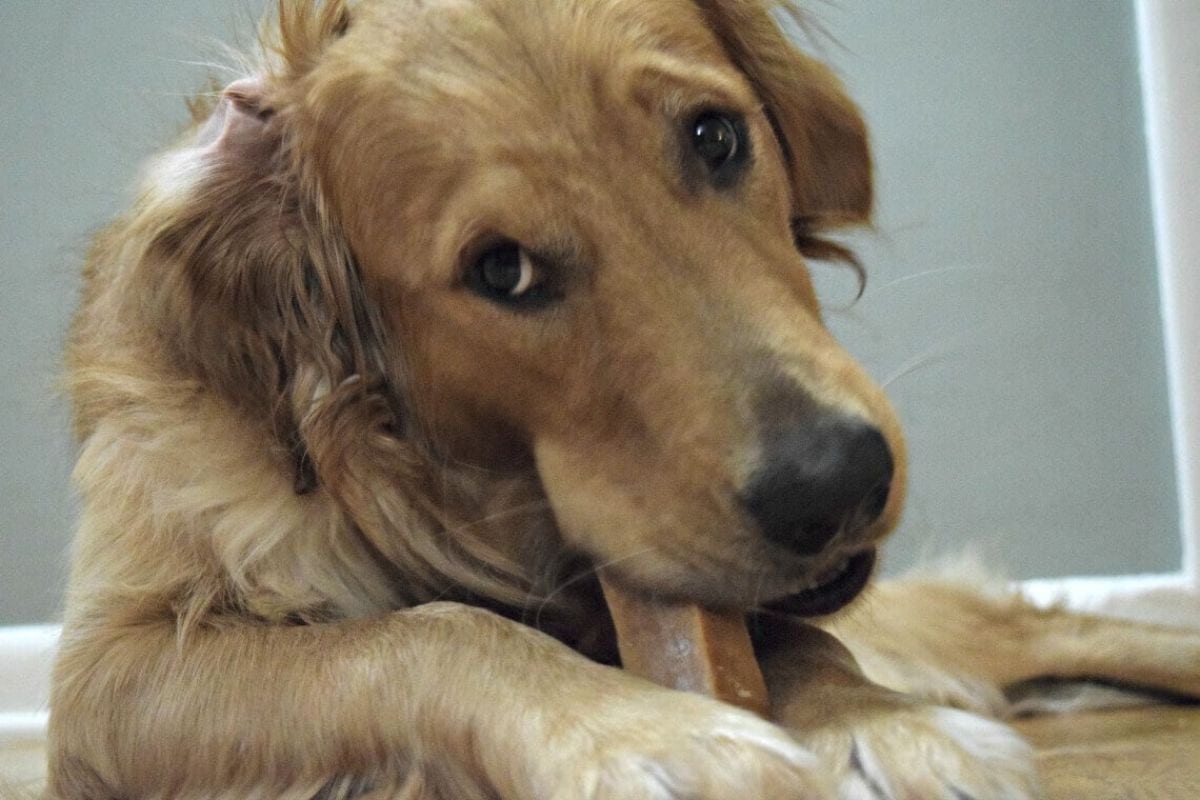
<point>876,502</point>
<point>812,535</point>
<point>822,474</point>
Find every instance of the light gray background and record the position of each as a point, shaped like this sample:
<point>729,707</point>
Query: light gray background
<point>1012,304</point>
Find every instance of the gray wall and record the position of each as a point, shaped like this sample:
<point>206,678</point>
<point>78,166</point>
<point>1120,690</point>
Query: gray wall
<point>1012,298</point>
<point>1013,303</point>
<point>87,90</point>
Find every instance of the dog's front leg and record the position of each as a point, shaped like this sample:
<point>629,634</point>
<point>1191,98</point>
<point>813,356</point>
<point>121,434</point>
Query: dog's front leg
<point>443,701</point>
<point>882,744</point>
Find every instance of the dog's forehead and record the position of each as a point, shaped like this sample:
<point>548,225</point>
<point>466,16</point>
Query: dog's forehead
<point>459,49</point>
<point>566,20</point>
<point>428,94</point>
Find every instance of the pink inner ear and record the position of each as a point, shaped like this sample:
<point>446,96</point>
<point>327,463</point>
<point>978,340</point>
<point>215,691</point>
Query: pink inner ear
<point>237,120</point>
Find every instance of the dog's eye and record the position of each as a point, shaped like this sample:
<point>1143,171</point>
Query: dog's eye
<point>506,270</point>
<point>718,139</point>
<point>506,273</point>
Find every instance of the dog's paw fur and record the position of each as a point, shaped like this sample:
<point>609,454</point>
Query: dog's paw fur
<point>668,745</point>
<point>926,752</point>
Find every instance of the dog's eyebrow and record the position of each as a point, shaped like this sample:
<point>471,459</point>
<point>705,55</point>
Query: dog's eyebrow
<point>661,82</point>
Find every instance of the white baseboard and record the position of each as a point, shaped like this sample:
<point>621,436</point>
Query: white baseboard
<point>26,657</point>
<point>1172,599</point>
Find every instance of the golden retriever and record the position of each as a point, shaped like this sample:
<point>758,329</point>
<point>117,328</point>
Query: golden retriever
<point>443,306</point>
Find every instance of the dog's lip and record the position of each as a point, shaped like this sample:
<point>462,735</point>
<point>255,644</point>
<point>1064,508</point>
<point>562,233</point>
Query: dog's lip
<point>834,587</point>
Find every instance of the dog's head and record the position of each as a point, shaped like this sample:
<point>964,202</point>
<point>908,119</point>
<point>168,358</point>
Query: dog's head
<point>563,240</point>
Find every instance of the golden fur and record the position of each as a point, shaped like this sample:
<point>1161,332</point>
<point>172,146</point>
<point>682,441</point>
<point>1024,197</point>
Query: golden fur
<point>299,429</point>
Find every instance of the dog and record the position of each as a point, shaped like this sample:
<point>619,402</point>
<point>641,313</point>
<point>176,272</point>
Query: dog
<point>439,309</point>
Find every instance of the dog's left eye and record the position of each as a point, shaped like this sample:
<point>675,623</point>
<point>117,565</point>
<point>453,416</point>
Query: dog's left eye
<point>721,142</point>
<point>506,273</point>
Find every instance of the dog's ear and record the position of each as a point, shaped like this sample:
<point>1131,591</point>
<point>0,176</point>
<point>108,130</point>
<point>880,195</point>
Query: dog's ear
<point>263,299</point>
<point>821,130</point>
<point>254,296</point>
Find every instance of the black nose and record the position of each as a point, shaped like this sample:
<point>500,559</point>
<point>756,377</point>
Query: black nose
<point>822,473</point>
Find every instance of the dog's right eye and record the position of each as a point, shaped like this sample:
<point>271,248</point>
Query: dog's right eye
<point>722,144</point>
<point>506,273</point>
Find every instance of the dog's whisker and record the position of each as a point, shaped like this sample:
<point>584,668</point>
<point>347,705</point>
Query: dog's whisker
<point>504,513</point>
<point>593,570</point>
<point>182,95</point>
<point>922,360</point>
<point>756,597</point>
<point>209,65</point>
<point>928,273</point>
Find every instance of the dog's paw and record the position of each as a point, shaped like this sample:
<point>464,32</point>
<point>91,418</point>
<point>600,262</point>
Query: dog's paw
<point>926,752</point>
<point>668,745</point>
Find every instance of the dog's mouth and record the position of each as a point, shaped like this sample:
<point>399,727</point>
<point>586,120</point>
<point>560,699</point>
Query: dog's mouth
<point>833,589</point>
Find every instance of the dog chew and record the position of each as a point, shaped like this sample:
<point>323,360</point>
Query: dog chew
<point>686,647</point>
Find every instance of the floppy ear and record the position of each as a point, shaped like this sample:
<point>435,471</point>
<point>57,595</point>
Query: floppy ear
<point>821,130</point>
<point>262,299</point>
<point>250,283</point>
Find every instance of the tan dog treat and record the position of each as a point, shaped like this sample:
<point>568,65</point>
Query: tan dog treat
<point>684,646</point>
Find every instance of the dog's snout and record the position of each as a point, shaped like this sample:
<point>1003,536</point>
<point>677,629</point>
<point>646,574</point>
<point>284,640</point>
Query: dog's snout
<point>822,474</point>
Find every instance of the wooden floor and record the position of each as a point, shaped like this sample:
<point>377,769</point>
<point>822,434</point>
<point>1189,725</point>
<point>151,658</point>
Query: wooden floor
<point>1138,754</point>
<point>22,766</point>
<point>1142,754</point>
